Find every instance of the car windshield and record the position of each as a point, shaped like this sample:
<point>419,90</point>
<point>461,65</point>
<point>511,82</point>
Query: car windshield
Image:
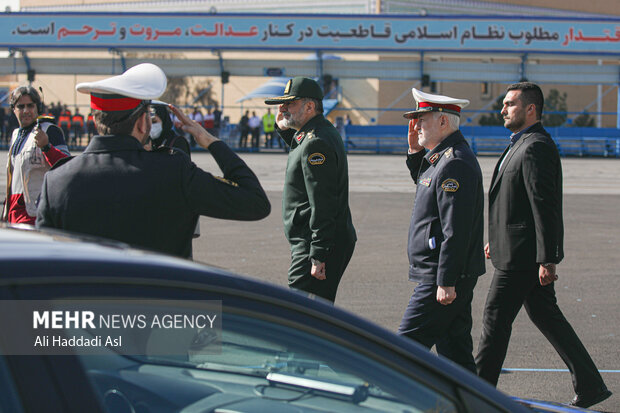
<point>247,346</point>
<point>272,362</point>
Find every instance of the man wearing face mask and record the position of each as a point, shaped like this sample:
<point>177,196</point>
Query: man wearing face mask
<point>116,189</point>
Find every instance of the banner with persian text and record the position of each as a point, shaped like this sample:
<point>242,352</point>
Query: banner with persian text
<point>310,32</point>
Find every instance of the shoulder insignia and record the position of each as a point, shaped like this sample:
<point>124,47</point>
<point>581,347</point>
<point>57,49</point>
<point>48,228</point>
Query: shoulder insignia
<point>450,185</point>
<point>448,153</point>
<point>310,135</point>
<point>226,181</point>
<point>316,159</point>
<point>434,158</point>
<point>425,181</point>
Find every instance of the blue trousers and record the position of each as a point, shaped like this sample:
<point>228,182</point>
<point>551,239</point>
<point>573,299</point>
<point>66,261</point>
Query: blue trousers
<point>447,327</point>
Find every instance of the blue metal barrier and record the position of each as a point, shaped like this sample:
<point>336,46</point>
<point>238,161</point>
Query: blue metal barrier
<point>491,140</point>
<point>484,140</point>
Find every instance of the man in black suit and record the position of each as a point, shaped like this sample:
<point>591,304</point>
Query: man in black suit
<point>525,245</point>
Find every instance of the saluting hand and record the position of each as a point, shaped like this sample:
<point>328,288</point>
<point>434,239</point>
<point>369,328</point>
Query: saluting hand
<point>445,295</point>
<point>203,138</point>
<point>280,119</point>
<point>412,137</point>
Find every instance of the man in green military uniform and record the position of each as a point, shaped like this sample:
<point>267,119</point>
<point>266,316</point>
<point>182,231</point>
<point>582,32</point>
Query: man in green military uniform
<point>315,201</point>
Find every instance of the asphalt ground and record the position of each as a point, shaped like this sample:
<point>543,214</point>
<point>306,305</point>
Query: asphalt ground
<point>375,285</point>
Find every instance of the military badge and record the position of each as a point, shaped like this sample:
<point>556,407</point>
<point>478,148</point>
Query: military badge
<point>316,159</point>
<point>450,185</point>
<point>425,181</point>
<point>226,181</point>
<point>434,158</point>
<point>448,153</point>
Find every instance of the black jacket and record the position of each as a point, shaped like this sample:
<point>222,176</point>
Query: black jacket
<point>525,204</point>
<point>117,190</point>
<point>447,224</point>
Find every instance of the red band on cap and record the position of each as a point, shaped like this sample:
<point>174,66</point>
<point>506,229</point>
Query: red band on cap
<point>114,104</point>
<point>455,108</point>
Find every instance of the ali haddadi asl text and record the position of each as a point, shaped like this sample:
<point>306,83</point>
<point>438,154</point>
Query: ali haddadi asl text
<point>78,341</point>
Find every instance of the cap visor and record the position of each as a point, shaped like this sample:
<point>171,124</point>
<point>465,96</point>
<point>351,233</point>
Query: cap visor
<point>416,113</point>
<point>412,115</point>
<point>279,99</point>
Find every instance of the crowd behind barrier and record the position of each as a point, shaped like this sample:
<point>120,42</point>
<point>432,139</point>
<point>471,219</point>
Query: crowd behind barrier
<point>484,140</point>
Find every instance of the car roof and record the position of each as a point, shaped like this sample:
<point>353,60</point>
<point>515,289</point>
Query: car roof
<point>24,248</point>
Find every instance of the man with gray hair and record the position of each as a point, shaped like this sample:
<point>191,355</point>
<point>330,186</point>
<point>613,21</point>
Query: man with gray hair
<point>446,229</point>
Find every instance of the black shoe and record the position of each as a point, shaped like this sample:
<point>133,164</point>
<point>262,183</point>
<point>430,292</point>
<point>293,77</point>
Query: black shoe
<point>586,401</point>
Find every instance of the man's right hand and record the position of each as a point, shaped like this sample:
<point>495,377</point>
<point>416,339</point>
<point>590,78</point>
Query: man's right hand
<point>203,138</point>
<point>487,251</point>
<point>280,121</point>
<point>412,137</point>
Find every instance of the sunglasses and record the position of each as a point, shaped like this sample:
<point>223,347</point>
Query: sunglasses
<point>21,106</point>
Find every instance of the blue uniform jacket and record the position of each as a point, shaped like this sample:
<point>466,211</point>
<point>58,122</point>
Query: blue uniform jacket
<point>446,230</point>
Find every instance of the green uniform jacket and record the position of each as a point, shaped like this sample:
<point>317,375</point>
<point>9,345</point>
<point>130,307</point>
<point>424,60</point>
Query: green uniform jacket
<point>315,202</point>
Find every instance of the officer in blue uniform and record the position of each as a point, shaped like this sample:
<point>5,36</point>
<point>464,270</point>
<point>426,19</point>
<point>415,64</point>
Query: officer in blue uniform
<point>446,232</point>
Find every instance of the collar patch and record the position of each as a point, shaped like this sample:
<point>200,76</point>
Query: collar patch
<point>316,159</point>
<point>450,185</point>
<point>434,158</point>
<point>300,136</point>
<point>425,181</point>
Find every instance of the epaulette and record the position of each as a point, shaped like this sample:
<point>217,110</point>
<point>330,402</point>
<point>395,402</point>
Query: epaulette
<point>171,150</point>
<point>45,118</point>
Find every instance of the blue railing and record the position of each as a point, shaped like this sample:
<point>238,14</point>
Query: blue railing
<point>490,140</point>
<point>484,140</point>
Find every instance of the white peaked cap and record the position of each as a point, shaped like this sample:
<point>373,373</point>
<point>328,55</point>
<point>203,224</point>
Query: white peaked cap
<point>144,81</point>
<point>427,102</point>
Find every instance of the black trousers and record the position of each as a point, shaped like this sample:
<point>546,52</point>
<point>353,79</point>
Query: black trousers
<point>299,273</point>
<point>447,327</point>
<point>508,292</point>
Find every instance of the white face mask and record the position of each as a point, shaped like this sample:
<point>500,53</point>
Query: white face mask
<point>155,130</point>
